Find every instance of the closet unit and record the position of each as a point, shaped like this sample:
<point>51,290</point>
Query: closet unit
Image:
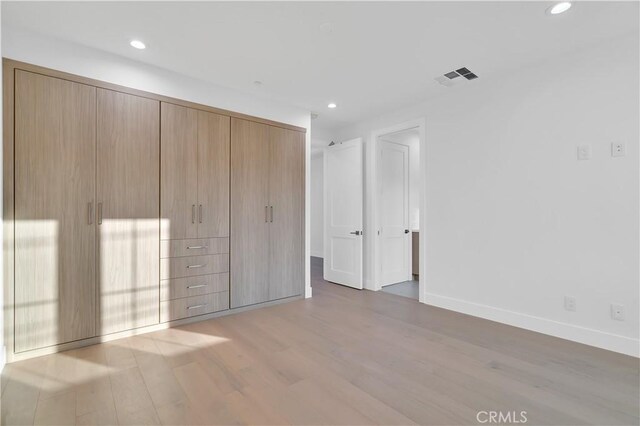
<point>195,212</point>
<point>55,231</point>
<point>125,210</point>
<point>87,203</point>
<point>267,213</point>
<point>128,206</point>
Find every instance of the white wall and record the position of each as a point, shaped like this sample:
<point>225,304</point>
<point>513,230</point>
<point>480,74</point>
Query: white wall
<point>514,222</point>
<point>321,138</point>
<point>317,204</point>
<point>92,63</point>
<point>2,346</point>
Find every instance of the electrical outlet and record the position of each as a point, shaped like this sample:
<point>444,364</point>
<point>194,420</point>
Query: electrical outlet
<point>584,152</point>
<point>570,303</point>
<point>618,149</point>
<point>617,312</point>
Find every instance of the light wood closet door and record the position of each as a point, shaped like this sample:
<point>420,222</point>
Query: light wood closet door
<point>128,211</point>
<point>213,174</point>
<point>286,196</point>
<point>179,172</point>
<point>249,212</point>
<point>55,154</point>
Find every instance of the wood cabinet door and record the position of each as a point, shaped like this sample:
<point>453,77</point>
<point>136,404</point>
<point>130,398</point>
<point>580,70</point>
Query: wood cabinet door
<point>213,174</point>
<point>128,197</point>
<point>286,197</point>
<point>55,166</point>
<point>249,212</point>
<point>178,171</point>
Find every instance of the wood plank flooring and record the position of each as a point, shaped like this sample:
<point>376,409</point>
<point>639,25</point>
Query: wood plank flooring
<point>344,357</point>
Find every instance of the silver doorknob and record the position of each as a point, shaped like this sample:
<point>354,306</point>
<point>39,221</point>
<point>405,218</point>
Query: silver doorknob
<point>356,233</point>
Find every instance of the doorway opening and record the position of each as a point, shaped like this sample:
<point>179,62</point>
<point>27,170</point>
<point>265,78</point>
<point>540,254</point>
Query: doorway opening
<point>397,192</point>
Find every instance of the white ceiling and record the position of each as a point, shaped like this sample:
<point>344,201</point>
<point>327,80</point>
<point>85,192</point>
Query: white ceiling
<point>373,58</point>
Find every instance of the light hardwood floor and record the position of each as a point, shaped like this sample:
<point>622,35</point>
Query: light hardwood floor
<point>343,357</point>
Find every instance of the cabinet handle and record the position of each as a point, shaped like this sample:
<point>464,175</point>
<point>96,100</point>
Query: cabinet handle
<point>200,213</point>
<point>196,306</point>
<point>193,213</point>
<point>266,214</point>
<point>196,266</point>
<point>90,212</point>
<point>271,213</point>
<point>197,247</point>
<point>99,213</point>
<point>197,286</point>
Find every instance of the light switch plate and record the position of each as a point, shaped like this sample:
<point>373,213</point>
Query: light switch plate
<point>570,303</point>
<point>618,149</point>
<point>617,312</point>
<point>584,152</point>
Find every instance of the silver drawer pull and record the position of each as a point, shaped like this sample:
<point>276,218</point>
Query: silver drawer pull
<point>197,247</point>
<point>197,286</point>
<point>196,266</point>
<point>196,306</point>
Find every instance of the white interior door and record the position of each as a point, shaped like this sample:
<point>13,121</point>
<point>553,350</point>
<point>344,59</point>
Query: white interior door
<point>343,183</point>
<point>393,211</point>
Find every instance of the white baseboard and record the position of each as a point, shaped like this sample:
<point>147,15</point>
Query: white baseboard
<point>317,254</point>
<point>587,336</point>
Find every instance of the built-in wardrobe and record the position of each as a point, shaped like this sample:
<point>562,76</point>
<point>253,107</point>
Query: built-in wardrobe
<point>127,211</point>
<point>266,179</point>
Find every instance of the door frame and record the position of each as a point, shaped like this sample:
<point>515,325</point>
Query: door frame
<point>371,175</point>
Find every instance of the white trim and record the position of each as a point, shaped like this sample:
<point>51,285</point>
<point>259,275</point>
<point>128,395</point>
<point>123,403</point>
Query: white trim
<point>317,254</point>
<point>373,283</point>
<point>587,336</point>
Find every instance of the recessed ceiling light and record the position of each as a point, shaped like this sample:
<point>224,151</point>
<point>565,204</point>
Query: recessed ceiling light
<point>137,44</point>
<point>332,105</point>
<point>559,8</point>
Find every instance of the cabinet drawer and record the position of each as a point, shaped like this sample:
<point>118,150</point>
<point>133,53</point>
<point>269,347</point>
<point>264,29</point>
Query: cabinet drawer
<point>191,306</point>
<point>190,266</point>
<point>193,286</point>
<point>193,247</point>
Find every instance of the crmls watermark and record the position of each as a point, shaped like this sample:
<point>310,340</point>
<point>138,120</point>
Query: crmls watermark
<point>502,417</point>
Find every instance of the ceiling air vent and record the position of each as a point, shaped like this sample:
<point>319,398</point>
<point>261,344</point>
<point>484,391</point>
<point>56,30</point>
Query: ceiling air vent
<point>449,79</point>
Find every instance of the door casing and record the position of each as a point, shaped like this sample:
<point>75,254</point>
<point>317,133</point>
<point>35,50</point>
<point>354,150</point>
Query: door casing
<point>372,251</point>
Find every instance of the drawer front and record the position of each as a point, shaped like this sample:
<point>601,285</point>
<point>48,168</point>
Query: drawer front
<point>191,306</point>
<point>193,286</point>
<point>190,266</point>
<point>193,247</point>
